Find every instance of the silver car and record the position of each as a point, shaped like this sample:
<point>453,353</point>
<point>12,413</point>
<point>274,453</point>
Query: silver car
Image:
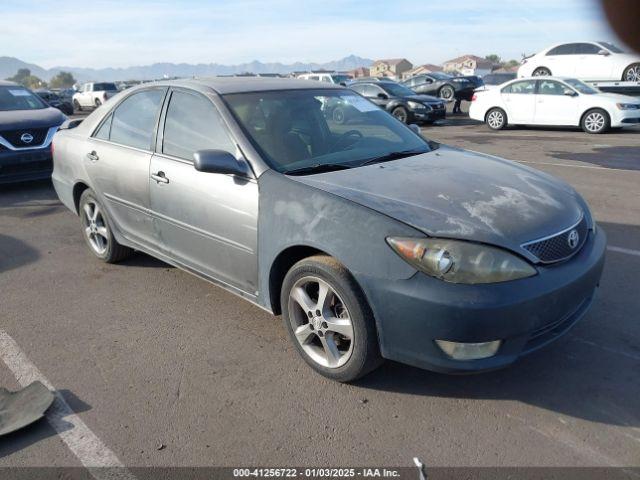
<point>371,241</point>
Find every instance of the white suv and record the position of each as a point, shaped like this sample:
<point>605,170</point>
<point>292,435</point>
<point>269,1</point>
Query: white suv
<point>92,95</point>
<point>584,60</point>
<point>337,78</point>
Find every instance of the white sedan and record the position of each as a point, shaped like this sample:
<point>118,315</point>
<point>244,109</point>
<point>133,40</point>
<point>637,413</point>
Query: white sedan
<point>584,60</point>
<point>553,101</point>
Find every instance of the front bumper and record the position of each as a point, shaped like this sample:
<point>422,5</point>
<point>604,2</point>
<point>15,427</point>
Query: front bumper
<point>25,165</point>
<point>428,115</point>
<point>525,314</point>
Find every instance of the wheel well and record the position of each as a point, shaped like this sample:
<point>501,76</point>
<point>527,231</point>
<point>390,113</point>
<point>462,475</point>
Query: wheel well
<point>591,110</point>
<point>78,189</point>
<point>281,265</point>
<point>624,70</point>
<point>486,114</point>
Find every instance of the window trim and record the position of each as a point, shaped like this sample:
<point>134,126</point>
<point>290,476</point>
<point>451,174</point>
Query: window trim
<point>111,112</point>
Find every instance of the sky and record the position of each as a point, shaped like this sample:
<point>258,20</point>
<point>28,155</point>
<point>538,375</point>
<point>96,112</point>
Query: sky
<point>114,33</point>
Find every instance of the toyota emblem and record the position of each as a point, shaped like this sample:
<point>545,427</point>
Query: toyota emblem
<point>573,239</point>
<point>26,138</point>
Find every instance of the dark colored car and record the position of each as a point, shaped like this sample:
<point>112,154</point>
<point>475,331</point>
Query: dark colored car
<point>498,78</point>
<point>442,85</point>
<point>55,101</point>
<point>27,126</point>
<point>402,102</point>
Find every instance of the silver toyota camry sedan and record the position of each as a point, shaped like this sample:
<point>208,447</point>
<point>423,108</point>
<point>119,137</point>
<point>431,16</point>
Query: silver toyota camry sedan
<point>371,241</point>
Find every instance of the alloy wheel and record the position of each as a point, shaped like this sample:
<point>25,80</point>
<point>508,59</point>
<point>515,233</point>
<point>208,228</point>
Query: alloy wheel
<point>595,121</point>
<point>633,74</point>
<point>400,114</point>
<point>495,119</point>
<point>95,227</point>
<point>321,322</point>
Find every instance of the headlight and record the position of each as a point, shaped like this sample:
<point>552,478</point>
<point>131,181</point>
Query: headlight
<point>417,105</point>
<point>628,106</point>
<point>460,80</point>
<point>461,262</point>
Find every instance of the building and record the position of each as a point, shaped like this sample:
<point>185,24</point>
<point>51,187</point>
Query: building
<point>390,68</point>
<point>359,72</point>
<point>420,69</point>
<point>469,65</point>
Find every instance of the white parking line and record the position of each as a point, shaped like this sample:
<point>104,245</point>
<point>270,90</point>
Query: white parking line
<point>101,462</point>
<point>592,167</point>
<point>628,251</point>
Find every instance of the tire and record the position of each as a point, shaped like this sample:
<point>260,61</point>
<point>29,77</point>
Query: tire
<point>338,115</point>
<point>595,121</point>
<point>344,356</point>
<point>77,106</point>
<point>496,118</point>
<point>631,73</point>
<point>542,72</point>
<point>447,93</point>
<point>400,113</point>
<point>96,230</point>
<point>98,102</point>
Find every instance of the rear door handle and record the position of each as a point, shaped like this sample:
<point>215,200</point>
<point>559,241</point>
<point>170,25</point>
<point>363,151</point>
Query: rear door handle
<point>93,156</point>
<point>160,177</point>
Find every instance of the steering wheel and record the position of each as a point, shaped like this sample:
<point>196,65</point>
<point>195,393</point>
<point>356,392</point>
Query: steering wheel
<point>343,137</point>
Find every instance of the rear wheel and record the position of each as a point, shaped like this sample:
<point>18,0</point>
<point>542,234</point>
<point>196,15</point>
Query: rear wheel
<point>401,114</point>
<point>97,231</point>
<point>329,319</point>
<point>541,72</point>
<point>632,73</point>
<point>77,106</point>
<point>446,93</point>
<point>338,115</point>
<point>98,102</point>
<point>595,121</point>
<point>496,119</point>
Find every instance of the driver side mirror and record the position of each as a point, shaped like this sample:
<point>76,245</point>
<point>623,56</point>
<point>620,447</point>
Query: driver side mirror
<point>383,96</point>
<point>219,161</point>
<point>603,52</point>
<point>570,93</point>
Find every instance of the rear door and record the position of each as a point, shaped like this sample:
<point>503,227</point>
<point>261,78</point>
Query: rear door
<point>205,221</point>
<point>117,159</point>
<point>562,60</point>
<point>519,100</point>
<point>553,105</point>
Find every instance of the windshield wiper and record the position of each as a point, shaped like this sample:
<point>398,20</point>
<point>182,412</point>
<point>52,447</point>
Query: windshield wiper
<point>317,168</point>
<point>392,156</point>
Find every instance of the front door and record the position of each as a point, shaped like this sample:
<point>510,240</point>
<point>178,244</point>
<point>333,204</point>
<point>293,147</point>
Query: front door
<point>591,65</point>
<point>117,159</point>
<point>205,221</point>
<point>556,104</point>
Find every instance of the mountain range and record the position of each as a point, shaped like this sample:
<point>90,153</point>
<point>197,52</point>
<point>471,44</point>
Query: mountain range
<point>10,65</point>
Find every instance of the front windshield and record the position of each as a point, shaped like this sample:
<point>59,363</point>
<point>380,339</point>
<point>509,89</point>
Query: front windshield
<point>397,90</point>
<point>581,86</point>
<point>611,47</point>
<point>298,129</point>
<point>19,98</point>
<point>440,76</point>
<point>108,87</point>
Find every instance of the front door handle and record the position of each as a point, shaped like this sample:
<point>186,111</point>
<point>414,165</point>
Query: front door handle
<point>93,156</point>
<point>160,177</point>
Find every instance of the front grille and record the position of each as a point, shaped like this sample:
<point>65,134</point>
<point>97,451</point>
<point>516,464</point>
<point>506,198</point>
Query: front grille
<point>560,246</point>
<point>14,137</point>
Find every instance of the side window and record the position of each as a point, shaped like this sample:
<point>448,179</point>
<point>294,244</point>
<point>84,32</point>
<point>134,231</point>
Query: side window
<point>523,87</point>
<point>326,79</point>
<point>105,129</point>
<point>549,87</point>
<point>358,88</point>
<point>372,91</point>
<point>134,121</point>
<point>566,49</point>
<point>193,123</point>
<point>411,82</point>
<point>587,49</point>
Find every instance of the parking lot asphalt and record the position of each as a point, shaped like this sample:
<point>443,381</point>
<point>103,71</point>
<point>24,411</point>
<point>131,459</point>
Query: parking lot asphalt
<point>166,369</point>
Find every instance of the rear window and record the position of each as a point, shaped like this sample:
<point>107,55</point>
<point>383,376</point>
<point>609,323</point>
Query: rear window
<point>19,98</point>
<point>99,87</point>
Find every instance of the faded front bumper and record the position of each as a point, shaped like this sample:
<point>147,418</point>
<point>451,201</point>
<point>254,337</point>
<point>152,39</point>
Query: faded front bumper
<point>525,314</point>
<point>25,165</point>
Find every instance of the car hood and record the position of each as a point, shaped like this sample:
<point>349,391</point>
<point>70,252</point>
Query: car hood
<point>18,119</point>
<point>455,193</point>
<point>619,98</point>
<point>424,99</point>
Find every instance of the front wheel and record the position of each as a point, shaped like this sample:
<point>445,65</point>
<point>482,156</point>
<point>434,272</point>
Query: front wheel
<point>401,114</point>
<point>542,72</point>
<point>329,319</point>
<point>77,106</point>
<point>98,102</point>
<point>447,93</point>
<point>632,73</point>
<point>96,229</point>
<point>338,115</point>
<point>595,121</point>
<point>496,119</point>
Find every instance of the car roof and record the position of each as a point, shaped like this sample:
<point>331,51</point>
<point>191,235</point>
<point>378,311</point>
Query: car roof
<point>225,85</point>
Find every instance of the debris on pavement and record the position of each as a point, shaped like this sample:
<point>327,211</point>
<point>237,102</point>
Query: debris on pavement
<point>22,408</point>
